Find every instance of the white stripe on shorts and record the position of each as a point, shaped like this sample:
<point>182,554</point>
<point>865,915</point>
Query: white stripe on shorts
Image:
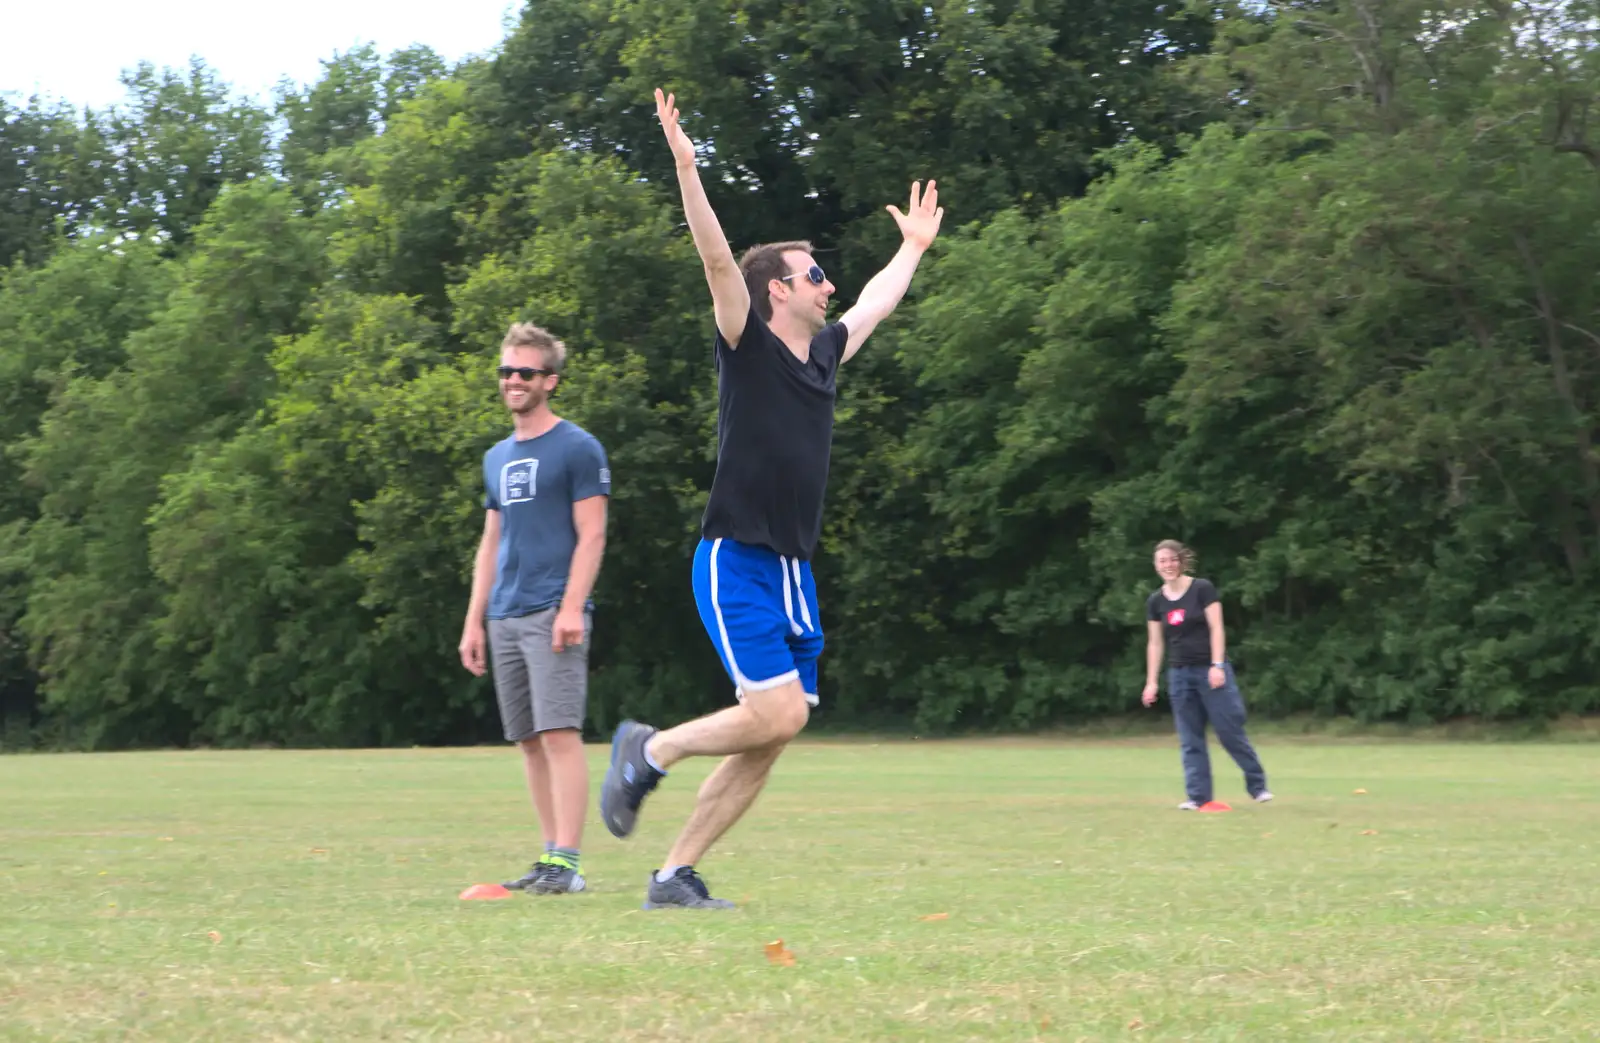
<point>788,603</point>
<point>744,683</point>
<point>805,611</point>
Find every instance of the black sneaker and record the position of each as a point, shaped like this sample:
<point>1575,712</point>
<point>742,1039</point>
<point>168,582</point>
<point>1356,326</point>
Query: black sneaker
<point>557,876</point>
<point>629,779</point>
<point>526,881</point>
<point>683,890</point>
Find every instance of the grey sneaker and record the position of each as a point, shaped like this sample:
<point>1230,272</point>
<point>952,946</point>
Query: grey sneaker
<point>683,890</point>
<point>629,779</point>
<point>557,876</point>
<point>1262,797</point>
<point>1189,805</point>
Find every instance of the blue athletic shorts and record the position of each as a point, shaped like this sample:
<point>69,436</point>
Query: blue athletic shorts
<point>760,610</point>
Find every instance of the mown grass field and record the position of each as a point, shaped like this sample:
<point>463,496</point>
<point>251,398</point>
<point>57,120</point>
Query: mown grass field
<point>928,891</point>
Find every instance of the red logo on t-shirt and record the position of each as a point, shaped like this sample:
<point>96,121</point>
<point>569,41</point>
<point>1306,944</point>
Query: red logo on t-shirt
<point>1175,617</point>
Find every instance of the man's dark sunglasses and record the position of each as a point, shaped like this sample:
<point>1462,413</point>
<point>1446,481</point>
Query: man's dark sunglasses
<point>813,273</point>
<point>525,372</point>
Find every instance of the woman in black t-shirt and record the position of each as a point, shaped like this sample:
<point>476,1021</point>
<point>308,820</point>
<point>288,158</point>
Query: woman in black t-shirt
<point>1184,617</point>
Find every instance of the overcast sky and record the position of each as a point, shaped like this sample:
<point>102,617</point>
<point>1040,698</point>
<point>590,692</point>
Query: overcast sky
<point>74,50</point>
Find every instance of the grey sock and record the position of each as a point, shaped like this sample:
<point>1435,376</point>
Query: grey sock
<point>568,853</point>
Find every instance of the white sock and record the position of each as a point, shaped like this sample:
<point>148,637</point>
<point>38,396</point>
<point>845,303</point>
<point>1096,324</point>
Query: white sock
<point>651,760</point>
<point>663,875</point>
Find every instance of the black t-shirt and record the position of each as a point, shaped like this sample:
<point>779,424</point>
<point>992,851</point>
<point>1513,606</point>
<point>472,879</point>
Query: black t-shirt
<point>774,434</point>
<point>1183,623</point>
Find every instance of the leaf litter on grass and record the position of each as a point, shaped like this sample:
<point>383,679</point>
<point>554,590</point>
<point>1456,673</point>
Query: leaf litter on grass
<point>1319,947</point>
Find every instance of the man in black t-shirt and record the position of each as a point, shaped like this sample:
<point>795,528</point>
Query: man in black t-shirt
<point>777,358</point>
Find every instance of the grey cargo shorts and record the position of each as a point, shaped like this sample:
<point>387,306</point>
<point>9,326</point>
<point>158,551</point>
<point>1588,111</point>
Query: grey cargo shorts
<point>539,689</point>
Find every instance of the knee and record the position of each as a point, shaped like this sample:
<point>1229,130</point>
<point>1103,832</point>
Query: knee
<point>1231,733</point>
<point>785,721</point>
<point>780,715</point>
<point>532,748</point>
<point>559,740</point>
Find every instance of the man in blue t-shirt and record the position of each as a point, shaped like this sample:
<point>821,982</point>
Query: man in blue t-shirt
<point>777,358</point>
<point>544,532</point>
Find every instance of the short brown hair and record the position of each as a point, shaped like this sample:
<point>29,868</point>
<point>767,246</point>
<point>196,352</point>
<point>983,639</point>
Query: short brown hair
<point>1186,557</point>
<point>763,263</point>
<point>527,335</point>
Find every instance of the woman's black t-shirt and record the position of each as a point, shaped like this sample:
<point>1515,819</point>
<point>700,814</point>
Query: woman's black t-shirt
<point>1183,623</point>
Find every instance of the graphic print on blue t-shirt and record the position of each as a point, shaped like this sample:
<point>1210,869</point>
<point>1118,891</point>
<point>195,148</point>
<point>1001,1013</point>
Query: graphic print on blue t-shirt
<point>533,483</point>
<point>519,480</point>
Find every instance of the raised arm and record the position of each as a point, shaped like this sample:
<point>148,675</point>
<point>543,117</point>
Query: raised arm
<point>882,294</point>
<point>729,297</point>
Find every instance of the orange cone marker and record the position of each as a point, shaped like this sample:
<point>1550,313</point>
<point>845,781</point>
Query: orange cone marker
<point>484,892</point>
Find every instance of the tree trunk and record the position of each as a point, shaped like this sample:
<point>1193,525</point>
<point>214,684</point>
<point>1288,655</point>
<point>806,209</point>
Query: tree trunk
<point>1562,378</point>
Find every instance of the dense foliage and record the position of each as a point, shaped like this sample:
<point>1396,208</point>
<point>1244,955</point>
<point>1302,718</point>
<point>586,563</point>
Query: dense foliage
<point>1309,285</point>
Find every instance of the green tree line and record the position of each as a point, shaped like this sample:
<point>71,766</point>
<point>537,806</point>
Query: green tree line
<point>1308,285</point>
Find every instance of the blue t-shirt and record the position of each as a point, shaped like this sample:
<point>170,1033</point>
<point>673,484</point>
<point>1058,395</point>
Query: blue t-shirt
<point>533,483</point>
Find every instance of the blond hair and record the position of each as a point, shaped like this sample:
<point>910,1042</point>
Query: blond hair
<point>527,335</point>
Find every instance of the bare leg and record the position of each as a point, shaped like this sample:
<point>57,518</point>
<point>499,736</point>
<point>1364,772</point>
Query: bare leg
<point>537,769</point>
<point>765,718</point>
<point>723,799</point>
<point>751,736</point>
<point>568,788</point>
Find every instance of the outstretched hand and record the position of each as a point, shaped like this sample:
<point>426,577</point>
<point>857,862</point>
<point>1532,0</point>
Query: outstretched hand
<point>677,140</point>
<point>920,223</point>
